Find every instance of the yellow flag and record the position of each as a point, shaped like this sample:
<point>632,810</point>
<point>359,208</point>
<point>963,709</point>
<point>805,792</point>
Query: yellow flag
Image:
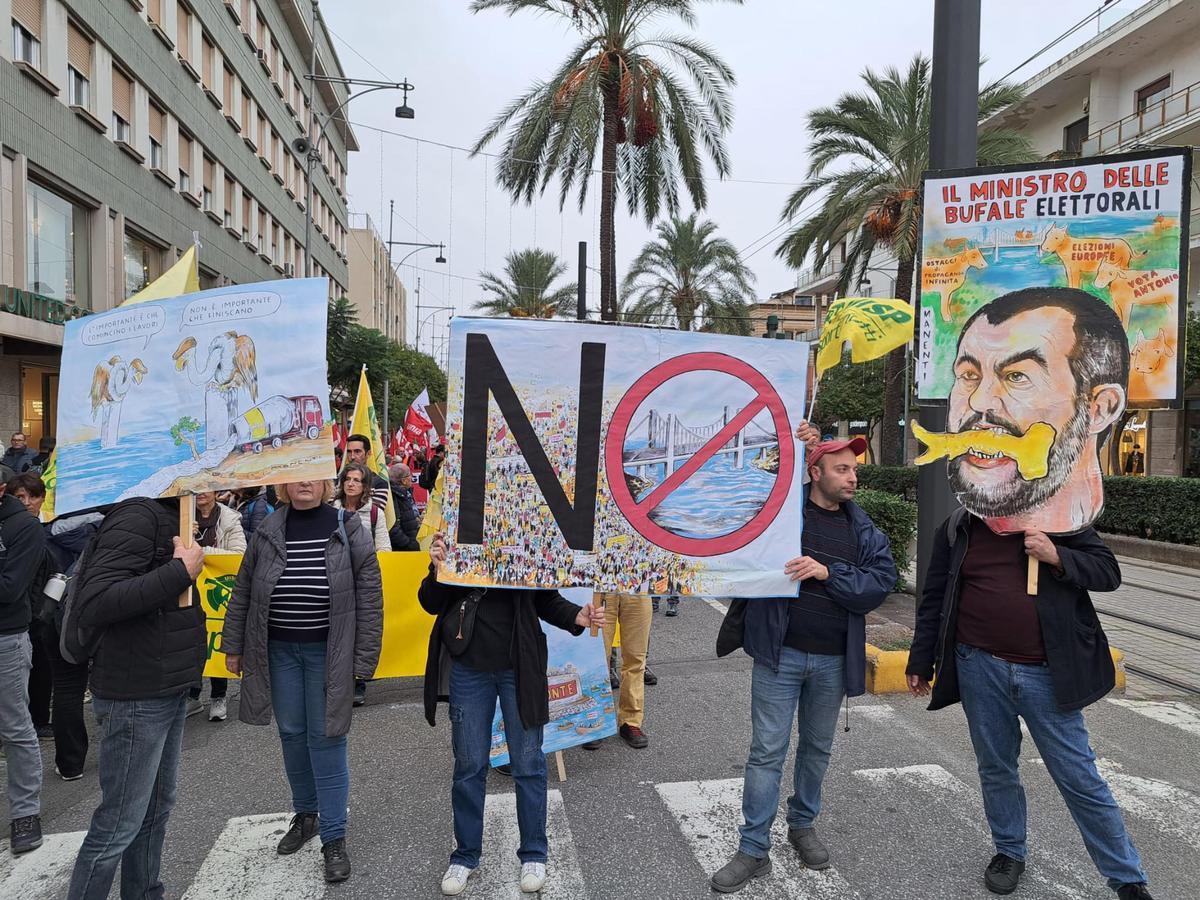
<point>181,278</point>
<point>365,421</point>
<point>50,480</point>
<point>434,520</point>
<point>873,326</point>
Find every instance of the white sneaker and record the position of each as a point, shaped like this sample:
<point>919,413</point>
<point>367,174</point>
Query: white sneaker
<point>454,882</point>
<point>533,877</point>
<point>218,712</point>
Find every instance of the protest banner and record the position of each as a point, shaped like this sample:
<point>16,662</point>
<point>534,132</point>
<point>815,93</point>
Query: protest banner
<point>208,391</point>
<point>581,699</point>
<point>406,626</point>
<point>621,458</point>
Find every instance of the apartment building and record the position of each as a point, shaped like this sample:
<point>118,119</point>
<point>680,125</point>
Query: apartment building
<point>129,128</point>
<point>375,288</point>
<point>1136,84</point>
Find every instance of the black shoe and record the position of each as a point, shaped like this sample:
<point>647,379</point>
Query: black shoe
<point>45,732</point>
<point>654,604</point>
<point>672,608</point>
<point>634,737</point>
<point>360,693</point>
<point>1003,873</point>
<point>592,745</point>
<point>812,852</point>
<point>337,860</point>
<point>505,770</point>
<point>1135,891</point>
<point>303,830</point>
<point>25,834</point>
<point>736,873</point>
<point>649,677</point>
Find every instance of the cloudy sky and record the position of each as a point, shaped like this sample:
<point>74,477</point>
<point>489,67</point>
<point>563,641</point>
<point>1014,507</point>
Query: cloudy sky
<point>789,57</point>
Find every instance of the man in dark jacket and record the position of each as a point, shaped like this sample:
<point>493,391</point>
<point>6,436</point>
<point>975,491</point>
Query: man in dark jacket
<point>19,456</point>
<point>22,546</point>
<point>809,652</point>
<point>404,532</point>
<point>1006,655</point>
<point>150,653</point>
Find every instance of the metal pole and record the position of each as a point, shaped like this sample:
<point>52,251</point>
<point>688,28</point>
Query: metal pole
<point>387,316</point>
<point>417,342</point>
<point>387,426</point>
<point>953,135</point>
<point>581,289</point>
<point>312,137</point>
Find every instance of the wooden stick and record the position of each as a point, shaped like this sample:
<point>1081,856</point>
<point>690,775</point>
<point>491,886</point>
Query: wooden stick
<point>592,629</point>
<point>1031,583</point>
<point>562,769</point>
<point>187,529</point>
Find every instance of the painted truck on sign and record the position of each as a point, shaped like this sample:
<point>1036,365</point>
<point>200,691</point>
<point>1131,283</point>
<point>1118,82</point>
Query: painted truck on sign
<point>275,420</point>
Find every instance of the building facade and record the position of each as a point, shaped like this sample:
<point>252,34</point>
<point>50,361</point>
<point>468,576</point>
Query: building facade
<point>375,289</point>
<point>1134,85</point>
<point>128,129</point>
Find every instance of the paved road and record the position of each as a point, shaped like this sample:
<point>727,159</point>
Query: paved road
<point>902,810</point>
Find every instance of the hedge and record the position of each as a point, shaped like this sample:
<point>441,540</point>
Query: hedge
<point>1154,507</point>
<point>898,480</point>
<point>895,517</point>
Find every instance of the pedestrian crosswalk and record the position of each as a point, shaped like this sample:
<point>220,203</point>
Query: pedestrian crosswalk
<point>243,864</point>
<point>42,874</point>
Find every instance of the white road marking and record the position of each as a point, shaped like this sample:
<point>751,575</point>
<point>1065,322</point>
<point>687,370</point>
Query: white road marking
<point>43,873</point>
<point>717,605</point>
<point>708,814</point>
<point>1176,713</point>
<point>499,872</point>
<point>243,864</point>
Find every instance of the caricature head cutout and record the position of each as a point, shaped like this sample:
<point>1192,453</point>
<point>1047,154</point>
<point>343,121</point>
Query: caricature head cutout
<point>1040,379</point>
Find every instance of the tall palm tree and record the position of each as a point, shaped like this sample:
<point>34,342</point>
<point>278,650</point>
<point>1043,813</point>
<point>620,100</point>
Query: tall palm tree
<point>867,154</point>
<point>526,290</point>
<point>655,105</point>
<point>689,270</point>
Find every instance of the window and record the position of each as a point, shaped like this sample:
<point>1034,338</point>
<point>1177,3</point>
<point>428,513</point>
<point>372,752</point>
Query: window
<point>262,35</point>
<point>56,255</point>
<point>1153,93</point>
<point>262,229</point>
<point>27,31</point>
<point>1074,135</point>
<point>143,263</point>
<point>183,32</point>
<point>246,116</point>
<point>208,57</point>
<point>209,177</point>
<point>122,101</point>
<point>262,136</point>
<point>274,241</point>
<point>230,200</point>
<point>154,12</point>
<point>158,120</point>
<point>79,67</point>
<point>228,91</point>
<point>245,217</point>
<point>185,164</point>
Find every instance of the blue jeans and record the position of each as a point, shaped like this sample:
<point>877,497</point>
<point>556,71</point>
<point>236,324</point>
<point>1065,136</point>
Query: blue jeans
<point>140,744</point>
<point>16,727</point>
<point>808,689</point>
<point>317,766</point>
<point>473,697</point>
<point>994,693</point>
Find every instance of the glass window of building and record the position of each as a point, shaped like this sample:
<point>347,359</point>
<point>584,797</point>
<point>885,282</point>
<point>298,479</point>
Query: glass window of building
<point>154,12</point>
<point>245,217</point>
<point>56,246</point>
<point>183,32</point>
<point>185,164</point>
<point>143,263</point>
<point>227,90</point>
<point>210,169</point>
<point>39,397</point>
<point>158,120</point>
<point>122,99</point>
<point>1153,93</point>
<point>27,31</point>
<point>230,200</point>
<point>79,67</point>
<point>208,56</point>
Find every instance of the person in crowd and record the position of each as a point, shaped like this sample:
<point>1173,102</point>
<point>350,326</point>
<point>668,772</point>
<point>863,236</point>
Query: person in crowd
<point>218,530</point>
<point>358,450</point>
<point>404,533</point>
<point>429,472</point>
<point>29,489</point>
<point>306,619</point>
<point>808,652</point>
<point>150,654</point>
<point>500,653</point>
<point>42,460</point>
<point>634,613</point>
<point>1135,462</point>
<point>19,456</point>
<point>254,505</point>
<point>22,545</point>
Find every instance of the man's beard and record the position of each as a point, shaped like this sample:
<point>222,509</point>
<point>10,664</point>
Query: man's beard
<point>1018,495</point>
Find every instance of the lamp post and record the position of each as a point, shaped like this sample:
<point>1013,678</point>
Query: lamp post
<point>419,246</point>
<point>420,321</point>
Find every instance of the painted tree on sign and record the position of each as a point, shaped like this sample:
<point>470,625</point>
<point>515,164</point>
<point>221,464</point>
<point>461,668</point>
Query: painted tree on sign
<point>184,432</point>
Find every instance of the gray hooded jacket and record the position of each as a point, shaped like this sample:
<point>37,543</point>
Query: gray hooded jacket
<point>355,617</point>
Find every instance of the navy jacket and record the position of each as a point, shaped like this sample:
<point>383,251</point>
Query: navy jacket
<point>859,588</point>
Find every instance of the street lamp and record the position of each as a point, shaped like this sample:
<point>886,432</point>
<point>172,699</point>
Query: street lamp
<point>420,321</point>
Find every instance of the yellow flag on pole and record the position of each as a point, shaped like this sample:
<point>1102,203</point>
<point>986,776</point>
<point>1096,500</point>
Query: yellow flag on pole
<point>365,421</point>
<point>873,326</point>
<point>50,480</point>
<point>181,278</point>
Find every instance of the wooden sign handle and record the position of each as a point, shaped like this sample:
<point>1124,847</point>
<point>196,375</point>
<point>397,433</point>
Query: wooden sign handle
<point>187,529</point>
<point>1031,582</point>
<point>592,629</point>
<point>562,769</point>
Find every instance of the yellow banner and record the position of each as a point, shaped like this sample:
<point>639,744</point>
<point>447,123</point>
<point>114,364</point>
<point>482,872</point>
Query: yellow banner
<point>406,626</point>
<point>873,327</point>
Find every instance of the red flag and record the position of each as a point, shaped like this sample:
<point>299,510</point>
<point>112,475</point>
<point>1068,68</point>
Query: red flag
<point>339,438</point>
<point>417,423</point>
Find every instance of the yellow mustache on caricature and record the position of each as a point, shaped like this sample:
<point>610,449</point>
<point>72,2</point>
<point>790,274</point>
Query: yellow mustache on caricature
<point>1030,451</point>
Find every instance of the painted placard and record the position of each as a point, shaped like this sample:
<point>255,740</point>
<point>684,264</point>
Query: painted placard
<point>212,390</point>
<point>633,459</point>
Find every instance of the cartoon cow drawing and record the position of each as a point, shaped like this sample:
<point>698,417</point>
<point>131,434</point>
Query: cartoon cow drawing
<point>945,275</point>
<point>1132,287</point>
<point>1081,256</point>
<point>1148,355</point>
<point>955,244</point>
<point>1152,371</point>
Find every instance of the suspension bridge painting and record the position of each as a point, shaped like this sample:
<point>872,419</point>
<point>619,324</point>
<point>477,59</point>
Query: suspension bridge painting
<point>636,459</point>
<point>212,390</point>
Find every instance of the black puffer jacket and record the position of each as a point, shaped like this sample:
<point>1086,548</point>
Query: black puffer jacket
<point>404,532</point>
<point>131,587</point>
<point>22,546</point>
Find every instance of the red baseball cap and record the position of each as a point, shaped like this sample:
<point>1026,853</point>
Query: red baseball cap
<point>858,445</point>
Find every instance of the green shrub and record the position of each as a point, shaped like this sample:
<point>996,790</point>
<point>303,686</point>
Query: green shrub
<point>898,480</point>
<point>895,517</point>
<point>1161,509</point>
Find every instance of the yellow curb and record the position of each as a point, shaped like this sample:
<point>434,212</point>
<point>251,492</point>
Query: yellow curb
<point>885,670</point>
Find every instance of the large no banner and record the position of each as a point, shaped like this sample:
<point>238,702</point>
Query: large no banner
<point>216,389</point>
<point>634,459</point>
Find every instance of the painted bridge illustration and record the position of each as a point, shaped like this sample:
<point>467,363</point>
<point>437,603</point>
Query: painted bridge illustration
<point>669,441</point>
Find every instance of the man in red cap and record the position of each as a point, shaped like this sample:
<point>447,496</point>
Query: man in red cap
<point>809,652</point>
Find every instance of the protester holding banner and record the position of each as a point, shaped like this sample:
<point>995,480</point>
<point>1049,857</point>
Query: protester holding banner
<point>352,497</point>
<point>306,619</point>
<point>487,644</point>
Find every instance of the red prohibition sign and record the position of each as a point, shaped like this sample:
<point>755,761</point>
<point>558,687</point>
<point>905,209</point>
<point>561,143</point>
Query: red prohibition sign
<point>638,514</point>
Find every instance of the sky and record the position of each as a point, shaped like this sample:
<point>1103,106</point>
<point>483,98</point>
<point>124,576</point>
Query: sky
<point>789,57</point>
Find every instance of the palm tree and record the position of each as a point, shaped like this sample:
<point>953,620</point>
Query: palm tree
<point>867,155</point>
<point>689,270</point>
<point>655,105</point>
<point>526,289</point>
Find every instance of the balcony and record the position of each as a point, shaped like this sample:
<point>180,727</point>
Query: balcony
<point>1177,110</point>
<point>809,280</point>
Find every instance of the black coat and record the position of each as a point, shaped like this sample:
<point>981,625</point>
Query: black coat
<point>22,549</point>
<point>529,644</point>
<point>130,587</point>
<point>1077,652</point>
<point>404,533</point>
